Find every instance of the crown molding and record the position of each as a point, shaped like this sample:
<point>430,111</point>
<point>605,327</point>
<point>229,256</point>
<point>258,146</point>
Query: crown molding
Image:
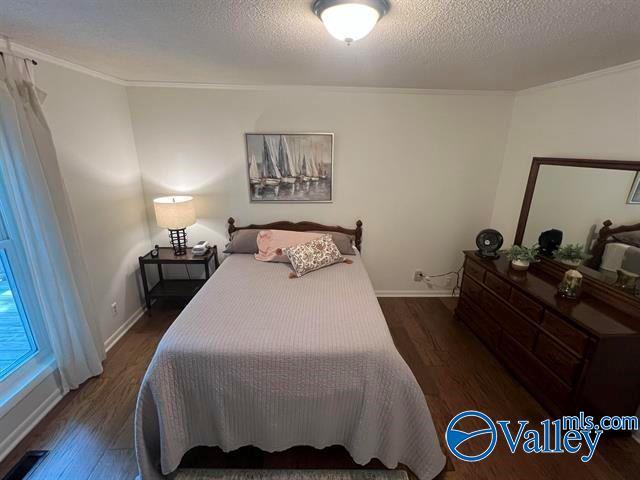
<point>38,55</point>
<point>315,88</point>
<point>582,78</point>
<point>45,57</point>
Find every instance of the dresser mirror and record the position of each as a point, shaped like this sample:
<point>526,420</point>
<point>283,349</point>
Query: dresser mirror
<point>591,203</point>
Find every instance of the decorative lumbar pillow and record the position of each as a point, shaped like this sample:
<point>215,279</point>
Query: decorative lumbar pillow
<point>313,255</point>
<point>271,243</point>
<point>243,241</point>
<point>343,241</point>
<point>631,260</point>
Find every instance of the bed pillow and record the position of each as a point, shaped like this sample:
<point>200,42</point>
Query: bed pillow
<point>343,241</point>
<point>243,241</point>
<point>629,238</point>
<point>271,243</point>
<point>631,260</point>
<point>313,255</point>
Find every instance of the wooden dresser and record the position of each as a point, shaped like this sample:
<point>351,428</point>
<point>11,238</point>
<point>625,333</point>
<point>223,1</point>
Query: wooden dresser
<point>572,356</point>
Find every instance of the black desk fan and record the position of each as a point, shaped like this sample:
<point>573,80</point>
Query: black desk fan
<point>489,242</point>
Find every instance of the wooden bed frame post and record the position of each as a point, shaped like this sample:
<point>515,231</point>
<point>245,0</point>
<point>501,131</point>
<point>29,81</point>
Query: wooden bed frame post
<point>232,227</point>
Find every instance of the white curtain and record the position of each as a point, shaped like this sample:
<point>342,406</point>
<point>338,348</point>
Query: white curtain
<point>45,225</point>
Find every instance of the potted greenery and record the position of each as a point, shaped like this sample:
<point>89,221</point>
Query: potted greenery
<point>572,254</point>
<point>521,257</point>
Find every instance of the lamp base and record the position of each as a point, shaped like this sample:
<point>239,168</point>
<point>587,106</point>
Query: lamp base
<point>178,240</point>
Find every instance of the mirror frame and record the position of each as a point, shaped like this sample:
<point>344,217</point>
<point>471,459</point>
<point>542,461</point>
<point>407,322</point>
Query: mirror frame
<point>591,285</point>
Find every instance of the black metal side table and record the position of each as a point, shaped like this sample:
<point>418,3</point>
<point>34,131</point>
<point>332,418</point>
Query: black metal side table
<point>175,288</point>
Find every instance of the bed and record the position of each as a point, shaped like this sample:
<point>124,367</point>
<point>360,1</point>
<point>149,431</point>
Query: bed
<point>257,358</point>
<point>616,248</point>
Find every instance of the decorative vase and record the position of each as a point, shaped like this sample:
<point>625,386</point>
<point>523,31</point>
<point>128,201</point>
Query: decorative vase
<point>520,265</point>
<point>571,285</point>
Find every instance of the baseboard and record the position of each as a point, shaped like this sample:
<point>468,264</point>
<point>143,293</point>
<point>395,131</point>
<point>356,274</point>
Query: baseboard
<point>124,328</point>
<point>415,293</point>
<point>14,438</point>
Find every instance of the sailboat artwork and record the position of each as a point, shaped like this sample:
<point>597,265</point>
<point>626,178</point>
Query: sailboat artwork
<point>290,167</point>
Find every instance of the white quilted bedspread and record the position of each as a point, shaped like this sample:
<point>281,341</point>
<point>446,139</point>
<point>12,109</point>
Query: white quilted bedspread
<point>257,358</point>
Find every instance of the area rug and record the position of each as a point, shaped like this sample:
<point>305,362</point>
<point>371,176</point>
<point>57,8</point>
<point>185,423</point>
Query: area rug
<point>237,474</point>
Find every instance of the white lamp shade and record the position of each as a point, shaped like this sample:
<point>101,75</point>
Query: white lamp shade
<point>350,21</point>
<point>175,213</point>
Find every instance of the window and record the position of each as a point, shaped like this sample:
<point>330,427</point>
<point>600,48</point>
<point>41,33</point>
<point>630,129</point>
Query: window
<point>24,347</point>
<point>17,344</point>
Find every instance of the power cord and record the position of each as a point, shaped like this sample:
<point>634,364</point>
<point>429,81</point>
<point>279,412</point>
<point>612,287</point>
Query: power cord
<point>456,289</point>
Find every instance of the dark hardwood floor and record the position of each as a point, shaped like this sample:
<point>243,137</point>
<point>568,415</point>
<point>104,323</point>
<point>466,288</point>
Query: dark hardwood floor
<point>90,432</point>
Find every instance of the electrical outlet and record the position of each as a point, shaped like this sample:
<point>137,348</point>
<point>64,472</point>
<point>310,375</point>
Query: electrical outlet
<point>418,276</point>
<point>114,308</point>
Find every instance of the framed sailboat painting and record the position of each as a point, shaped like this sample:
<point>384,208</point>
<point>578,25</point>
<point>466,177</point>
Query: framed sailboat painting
<point>290,167</point>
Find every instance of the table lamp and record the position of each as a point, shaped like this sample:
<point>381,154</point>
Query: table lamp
<point>176,214</point>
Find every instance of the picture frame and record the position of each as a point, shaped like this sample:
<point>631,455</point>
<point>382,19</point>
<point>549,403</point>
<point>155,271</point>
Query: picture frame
<point>289,167</point>
<point>634,194</point>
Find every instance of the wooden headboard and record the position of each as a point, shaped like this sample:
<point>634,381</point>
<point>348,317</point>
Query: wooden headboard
<point>303,227</point>
<point>604,237</point>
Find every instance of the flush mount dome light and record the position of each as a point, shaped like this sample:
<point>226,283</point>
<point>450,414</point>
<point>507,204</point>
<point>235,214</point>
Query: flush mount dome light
<point>350,20</point>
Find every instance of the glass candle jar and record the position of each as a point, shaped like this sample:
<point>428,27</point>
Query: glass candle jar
<point>571,284</point>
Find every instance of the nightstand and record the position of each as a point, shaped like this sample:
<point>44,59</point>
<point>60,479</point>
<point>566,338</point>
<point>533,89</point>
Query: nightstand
<point>175,288</point>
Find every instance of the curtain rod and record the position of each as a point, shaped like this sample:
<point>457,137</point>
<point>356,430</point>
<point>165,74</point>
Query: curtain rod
<point>7,49</point>
<point>23,58</point>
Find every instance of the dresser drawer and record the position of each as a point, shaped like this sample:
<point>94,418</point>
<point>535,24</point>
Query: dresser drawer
<point>526,306</point>
<point>480,323</point>
<point>499,286</point>
<point>559,360</point>
<point>471,288</point>
<point>517,326</point>
<point>554,394</point>
<point>474,270</point>
<point>565,333</point>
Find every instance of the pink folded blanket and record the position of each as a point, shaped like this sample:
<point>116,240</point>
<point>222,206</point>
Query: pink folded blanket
<point>272,242</point>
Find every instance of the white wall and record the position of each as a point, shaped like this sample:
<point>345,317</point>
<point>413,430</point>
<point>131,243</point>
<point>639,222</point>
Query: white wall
<point>91,127</point>
<point>597,117</point>
<point>419,170</point>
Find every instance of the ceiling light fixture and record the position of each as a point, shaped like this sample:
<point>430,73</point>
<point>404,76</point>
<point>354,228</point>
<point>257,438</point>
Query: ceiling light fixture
<point>350,20</point>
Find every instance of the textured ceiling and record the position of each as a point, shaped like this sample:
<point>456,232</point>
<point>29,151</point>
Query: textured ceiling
<point>476,44</point>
